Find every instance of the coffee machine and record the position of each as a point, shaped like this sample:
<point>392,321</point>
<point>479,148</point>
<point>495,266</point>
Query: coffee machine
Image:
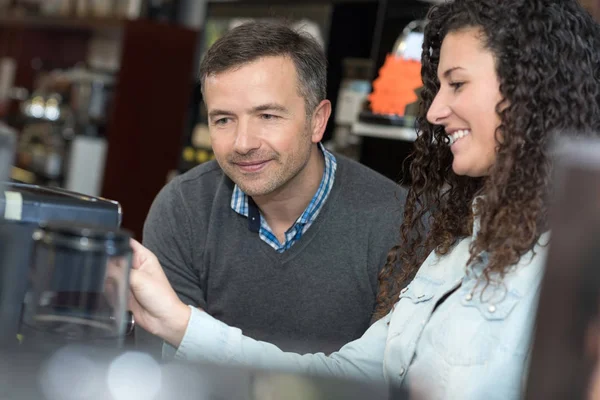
<point>54,249</point>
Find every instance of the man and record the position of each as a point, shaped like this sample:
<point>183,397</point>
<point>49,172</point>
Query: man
<point>278,237</point>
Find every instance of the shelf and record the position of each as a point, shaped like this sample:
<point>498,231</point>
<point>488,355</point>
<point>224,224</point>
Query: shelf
<point>61,23</point>
<point>384,131</point>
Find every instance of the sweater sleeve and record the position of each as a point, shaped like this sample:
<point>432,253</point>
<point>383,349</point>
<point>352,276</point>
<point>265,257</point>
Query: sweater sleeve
<point>207,339</point>
<point>168,234</point>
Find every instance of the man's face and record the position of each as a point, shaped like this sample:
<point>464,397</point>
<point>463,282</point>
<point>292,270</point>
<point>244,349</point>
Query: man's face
<point>260,133</point>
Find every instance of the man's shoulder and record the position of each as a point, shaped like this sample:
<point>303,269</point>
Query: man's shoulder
<point>204,172</point>
<point>201,180</point>
<point>193,194</point>
<point>367,201</point>
<point>357,177</point>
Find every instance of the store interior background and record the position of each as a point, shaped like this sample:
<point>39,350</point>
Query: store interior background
<point>105,99</point>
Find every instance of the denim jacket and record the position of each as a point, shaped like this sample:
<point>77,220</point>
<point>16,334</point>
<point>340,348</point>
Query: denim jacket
<point>473,346</point>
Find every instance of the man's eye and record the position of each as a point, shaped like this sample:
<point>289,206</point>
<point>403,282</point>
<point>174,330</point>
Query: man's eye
<point>221,121</point>
<point>269,117</point>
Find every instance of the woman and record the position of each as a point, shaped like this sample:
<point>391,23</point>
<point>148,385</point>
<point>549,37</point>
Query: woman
<point>501,79</point>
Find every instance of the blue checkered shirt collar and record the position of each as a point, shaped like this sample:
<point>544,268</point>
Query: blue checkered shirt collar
<point>241,204</point>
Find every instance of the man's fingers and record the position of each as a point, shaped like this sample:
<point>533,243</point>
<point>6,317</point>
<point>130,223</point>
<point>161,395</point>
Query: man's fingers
<point>141,255</point>
<point>134,306</point>
<point>135,280</point>
<point>135,245</point>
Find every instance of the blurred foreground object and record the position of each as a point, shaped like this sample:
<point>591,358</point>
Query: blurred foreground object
<point>567,339</point>
<point>22,209</point>
<point>78,372</point>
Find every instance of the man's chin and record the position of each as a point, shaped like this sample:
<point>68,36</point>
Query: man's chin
<point>256,191</point>
<point>254,185</point>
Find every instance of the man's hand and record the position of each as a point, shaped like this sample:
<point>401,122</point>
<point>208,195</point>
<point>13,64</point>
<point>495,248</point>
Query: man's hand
<point>153,301</point>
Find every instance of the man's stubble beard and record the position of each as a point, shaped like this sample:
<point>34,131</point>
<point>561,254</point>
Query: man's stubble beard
<point>280,178</point>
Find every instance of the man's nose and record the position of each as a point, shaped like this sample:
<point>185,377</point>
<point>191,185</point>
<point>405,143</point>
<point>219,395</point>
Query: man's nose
<point>245,139</point>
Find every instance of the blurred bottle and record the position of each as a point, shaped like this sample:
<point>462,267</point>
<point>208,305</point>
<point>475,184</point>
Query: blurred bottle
<point>82,8</point>
<point>5,5</point>
<point>102,8</point>
<point>7,151</point>
<point>57,7</point>
<point>162,10</point>
<point>129,9</point>
<point>8,68</point>
<point>29,6</point>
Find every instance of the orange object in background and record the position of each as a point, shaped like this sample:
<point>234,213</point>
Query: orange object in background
<point>395,86</point>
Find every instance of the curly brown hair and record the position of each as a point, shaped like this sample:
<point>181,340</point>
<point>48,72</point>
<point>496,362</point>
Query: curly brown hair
<point>547,55</point>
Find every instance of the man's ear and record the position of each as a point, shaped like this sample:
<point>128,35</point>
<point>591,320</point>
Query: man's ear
<point>319,120</point>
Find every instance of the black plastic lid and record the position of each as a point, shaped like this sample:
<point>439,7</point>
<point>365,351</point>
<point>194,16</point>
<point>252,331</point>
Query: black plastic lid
<point>84,237</point>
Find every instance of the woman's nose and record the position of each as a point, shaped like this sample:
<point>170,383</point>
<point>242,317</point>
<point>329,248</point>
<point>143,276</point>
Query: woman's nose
<point>438,111</point>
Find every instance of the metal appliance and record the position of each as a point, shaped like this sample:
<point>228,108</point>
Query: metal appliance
<point>23,208</point>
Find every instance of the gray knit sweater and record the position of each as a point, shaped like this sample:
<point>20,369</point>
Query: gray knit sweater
<point>316,296</point>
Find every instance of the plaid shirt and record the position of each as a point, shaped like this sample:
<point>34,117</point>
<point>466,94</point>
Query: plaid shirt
<point>243,205</point>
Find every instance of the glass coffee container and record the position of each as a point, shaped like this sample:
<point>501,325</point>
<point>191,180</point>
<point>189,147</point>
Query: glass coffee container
<point>79,285</point>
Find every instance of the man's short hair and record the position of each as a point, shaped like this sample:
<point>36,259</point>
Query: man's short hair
<point>253,40</point>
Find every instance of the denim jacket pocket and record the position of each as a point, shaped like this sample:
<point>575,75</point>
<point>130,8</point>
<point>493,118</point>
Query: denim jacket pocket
<point>413,305</point>
<point>472,340</point>
<point>466,343</point>
<point>421,289</point>
<point>494,311</point>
